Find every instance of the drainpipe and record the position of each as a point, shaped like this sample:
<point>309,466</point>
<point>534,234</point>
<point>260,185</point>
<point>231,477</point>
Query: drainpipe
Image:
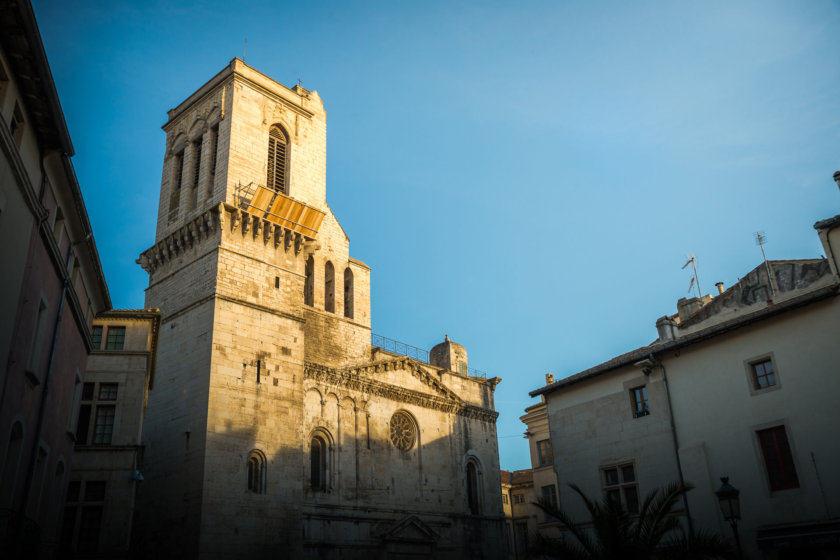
<point>676,443</point>
<point>33,458</point>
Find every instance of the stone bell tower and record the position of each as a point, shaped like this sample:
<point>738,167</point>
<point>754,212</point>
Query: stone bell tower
<point>252,274</point>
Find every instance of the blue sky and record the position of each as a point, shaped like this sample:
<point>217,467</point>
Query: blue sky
<point>525,177</point>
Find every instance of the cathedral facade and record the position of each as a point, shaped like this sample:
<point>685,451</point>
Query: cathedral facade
<point>274,425</point>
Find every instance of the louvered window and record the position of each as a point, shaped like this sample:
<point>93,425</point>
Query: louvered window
<point>215,149</point>
<point>278,156</point>
<point>196,163</point>
<point>175,188</point>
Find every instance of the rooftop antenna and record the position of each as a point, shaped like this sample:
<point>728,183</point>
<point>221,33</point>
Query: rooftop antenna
<point>695,280</point>
<point>244,50</point>
<point>760,240</point>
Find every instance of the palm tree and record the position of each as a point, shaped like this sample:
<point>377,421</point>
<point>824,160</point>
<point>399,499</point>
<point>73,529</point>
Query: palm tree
<point>654,534</point>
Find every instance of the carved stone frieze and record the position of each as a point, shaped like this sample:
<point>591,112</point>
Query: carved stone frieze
<point>357,379</point>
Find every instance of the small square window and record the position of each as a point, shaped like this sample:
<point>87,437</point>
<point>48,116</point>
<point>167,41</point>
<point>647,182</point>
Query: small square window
<point>116,338</point>
<point>638,396</point>
<point>96,337</point>
<point>763,374</point>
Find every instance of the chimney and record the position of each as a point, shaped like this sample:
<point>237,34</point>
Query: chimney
<point>719,287</point>
<point>549,378</point>
<point>666,328</point>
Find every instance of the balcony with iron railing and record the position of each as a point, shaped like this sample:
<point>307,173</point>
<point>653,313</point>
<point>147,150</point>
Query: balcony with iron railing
<point>413,352</point>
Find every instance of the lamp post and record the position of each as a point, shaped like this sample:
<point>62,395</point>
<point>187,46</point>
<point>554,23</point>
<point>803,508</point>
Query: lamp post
<point>730,505</point>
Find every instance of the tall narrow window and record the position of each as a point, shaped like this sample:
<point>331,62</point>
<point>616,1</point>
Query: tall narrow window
<point>318,464</point>
<point>309,282</point>
<point>778,459</point>
<point>16,124</point>
<point>348,293</point>
<point>473,488</point>
<point>214,148</point>
<point>278,158</point>
<point>38,336</point>
<point>544,452</point>
<point>638,397</point>
<point>256,472</point>
<point>175,186</point>
<point>329,287</point>
<point>196,172</point>
<point>96,337</point>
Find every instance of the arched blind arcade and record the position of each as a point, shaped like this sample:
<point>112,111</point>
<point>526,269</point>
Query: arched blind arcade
<point>278,160</point>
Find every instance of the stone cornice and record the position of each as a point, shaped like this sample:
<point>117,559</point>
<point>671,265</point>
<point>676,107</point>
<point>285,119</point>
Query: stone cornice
<point>181,240</point>
<point>355,378</point>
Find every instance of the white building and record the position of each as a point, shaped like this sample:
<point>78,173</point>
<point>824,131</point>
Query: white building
<point>741,385</point>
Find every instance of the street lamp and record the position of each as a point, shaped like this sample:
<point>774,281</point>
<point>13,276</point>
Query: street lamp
<point>837,178</point>
<point>730,505</point>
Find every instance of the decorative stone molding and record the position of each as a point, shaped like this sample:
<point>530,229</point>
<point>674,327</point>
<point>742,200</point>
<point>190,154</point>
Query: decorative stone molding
<point>355,378</point>
<point>180,241</point>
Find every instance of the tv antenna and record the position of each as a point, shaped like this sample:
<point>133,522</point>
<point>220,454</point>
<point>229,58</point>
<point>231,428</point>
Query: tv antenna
<point>244,50</point>
<point>761,240</point>
<point>695,280</point>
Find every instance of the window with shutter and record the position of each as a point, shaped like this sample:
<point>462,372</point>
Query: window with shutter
<point>278,156</point>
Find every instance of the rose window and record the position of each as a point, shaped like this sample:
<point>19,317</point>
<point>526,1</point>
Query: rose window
<point>402,431</point>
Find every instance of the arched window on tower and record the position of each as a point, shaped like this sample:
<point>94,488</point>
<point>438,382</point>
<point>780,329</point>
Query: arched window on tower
<point>329,287</point>
<point>278,160</point>
<point>256,472</point>
<point>473,487</point>
<point>309,282</point>
<point>348,293</point>
<point>319,463</point>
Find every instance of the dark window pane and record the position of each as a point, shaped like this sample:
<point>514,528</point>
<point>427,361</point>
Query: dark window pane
<point>103,428</point>
<point>96,336</point>
<point>94,491</point>
<point>83,424</point>
<point>87,391</point>
<point>116,338</point>
<point>611,477</point>
<point>627,473</point>
<point>108,391</point>
<point>73,491</point>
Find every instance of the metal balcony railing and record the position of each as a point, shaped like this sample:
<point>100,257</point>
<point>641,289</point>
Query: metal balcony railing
<point>403,349</point>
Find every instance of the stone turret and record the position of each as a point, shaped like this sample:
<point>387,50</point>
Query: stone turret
<point>449,355</point>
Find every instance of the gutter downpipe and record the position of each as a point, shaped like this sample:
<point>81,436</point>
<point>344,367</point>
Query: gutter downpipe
<point>676,442</point>
<point>30,471</point>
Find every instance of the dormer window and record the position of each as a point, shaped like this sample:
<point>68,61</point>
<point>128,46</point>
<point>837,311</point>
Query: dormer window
<point>278,160</point>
